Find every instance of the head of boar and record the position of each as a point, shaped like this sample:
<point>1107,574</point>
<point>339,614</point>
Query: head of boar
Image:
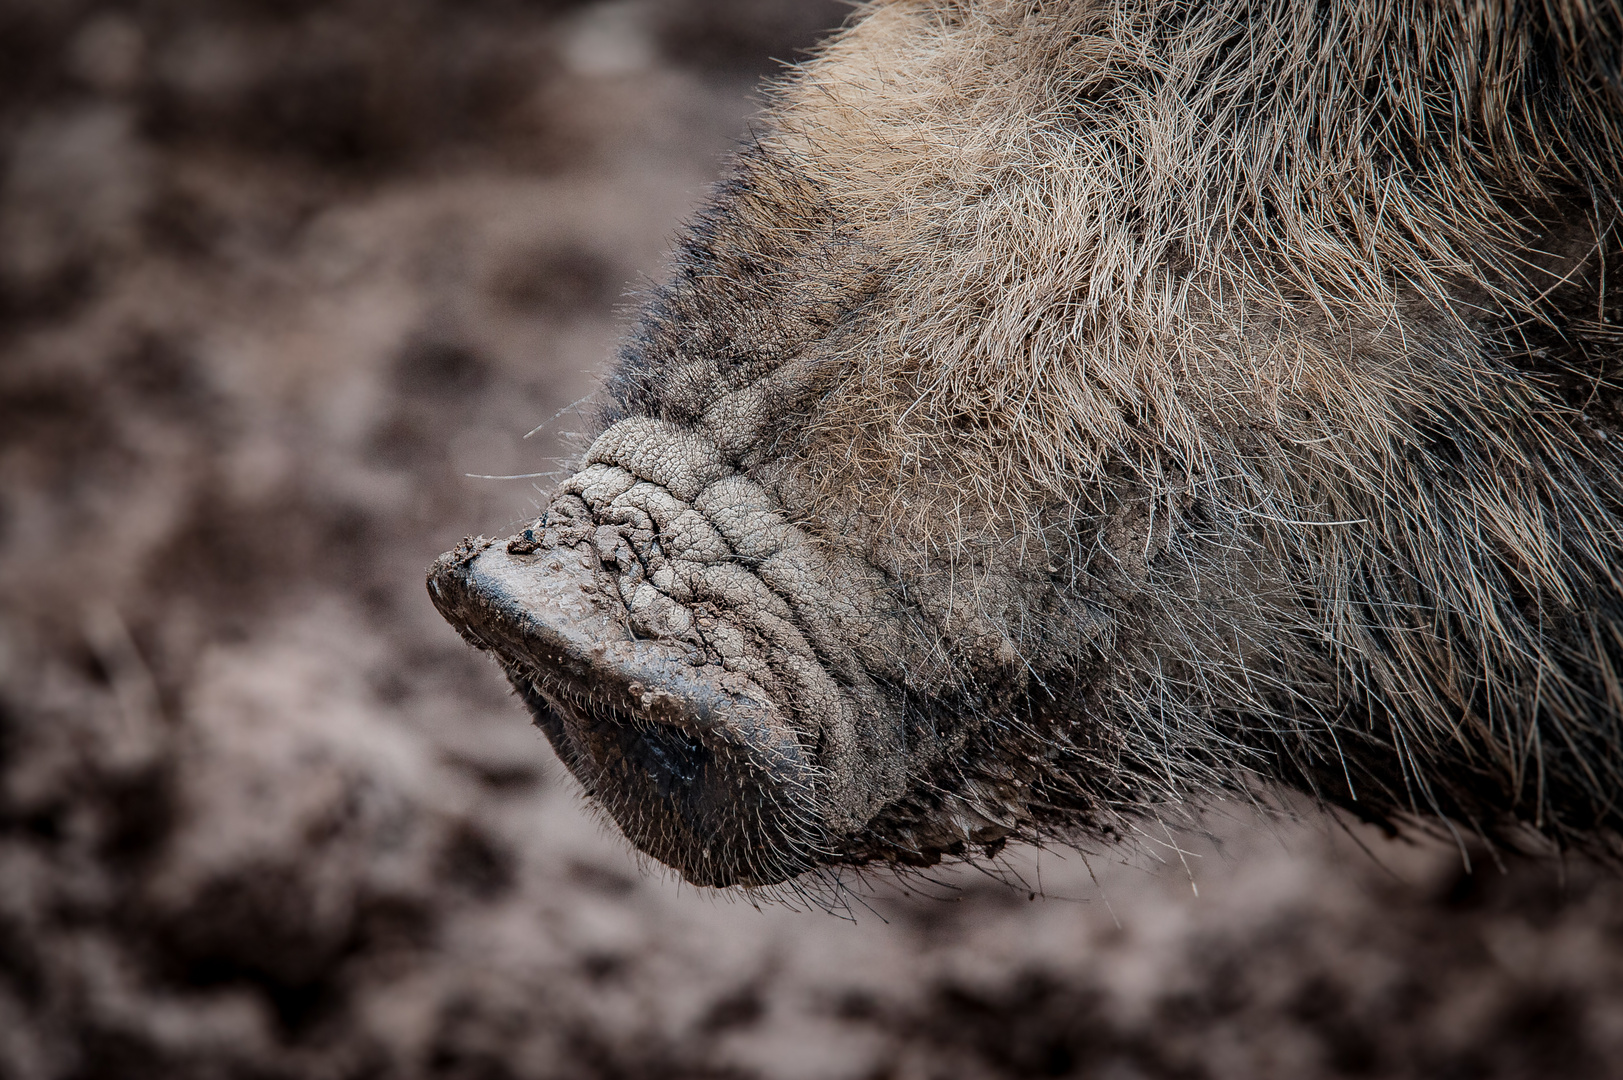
<point>1068,410</point>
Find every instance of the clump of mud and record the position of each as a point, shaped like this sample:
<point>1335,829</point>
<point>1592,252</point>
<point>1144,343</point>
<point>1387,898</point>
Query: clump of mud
<point>274,278</point>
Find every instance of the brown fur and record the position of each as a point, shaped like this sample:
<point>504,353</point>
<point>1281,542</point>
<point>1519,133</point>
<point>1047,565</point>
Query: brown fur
<point>1176,394</point>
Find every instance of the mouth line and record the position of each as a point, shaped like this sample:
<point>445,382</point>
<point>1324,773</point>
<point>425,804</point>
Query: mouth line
<point>696,765</point>
<point>672,753</point>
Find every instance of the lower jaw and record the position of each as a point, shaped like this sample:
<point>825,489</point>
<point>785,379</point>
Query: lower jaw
<point>694,804</point>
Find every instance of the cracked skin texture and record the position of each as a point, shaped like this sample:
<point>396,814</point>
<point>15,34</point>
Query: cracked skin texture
<point>1066,412</point>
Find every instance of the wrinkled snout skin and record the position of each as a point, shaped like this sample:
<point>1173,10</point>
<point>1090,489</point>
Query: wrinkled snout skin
<point>1067,412</point>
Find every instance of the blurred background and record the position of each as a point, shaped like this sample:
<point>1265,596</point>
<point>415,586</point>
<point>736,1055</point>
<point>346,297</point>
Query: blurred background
<point>276,276</point>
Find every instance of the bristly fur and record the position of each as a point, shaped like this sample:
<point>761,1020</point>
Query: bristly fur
<point>1222,389</point>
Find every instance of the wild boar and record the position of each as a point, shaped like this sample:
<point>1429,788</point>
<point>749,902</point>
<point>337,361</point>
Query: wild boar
<point>1068,411</point>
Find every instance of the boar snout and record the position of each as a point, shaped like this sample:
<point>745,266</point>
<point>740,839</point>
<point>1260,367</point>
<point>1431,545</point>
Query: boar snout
<point>743,698</point>
<point>721,684</point>
<point>695,763</point>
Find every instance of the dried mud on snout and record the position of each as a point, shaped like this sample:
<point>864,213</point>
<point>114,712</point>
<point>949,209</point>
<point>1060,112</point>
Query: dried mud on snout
<point>691,760</point>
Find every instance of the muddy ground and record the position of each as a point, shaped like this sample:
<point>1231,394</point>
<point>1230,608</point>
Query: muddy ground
<point>275,277</point>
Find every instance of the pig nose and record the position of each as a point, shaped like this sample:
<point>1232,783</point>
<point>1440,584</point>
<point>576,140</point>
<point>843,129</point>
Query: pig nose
<point>696,765</point>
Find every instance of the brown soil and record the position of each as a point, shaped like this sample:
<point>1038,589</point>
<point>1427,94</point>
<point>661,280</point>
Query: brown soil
<point>275,277</point>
